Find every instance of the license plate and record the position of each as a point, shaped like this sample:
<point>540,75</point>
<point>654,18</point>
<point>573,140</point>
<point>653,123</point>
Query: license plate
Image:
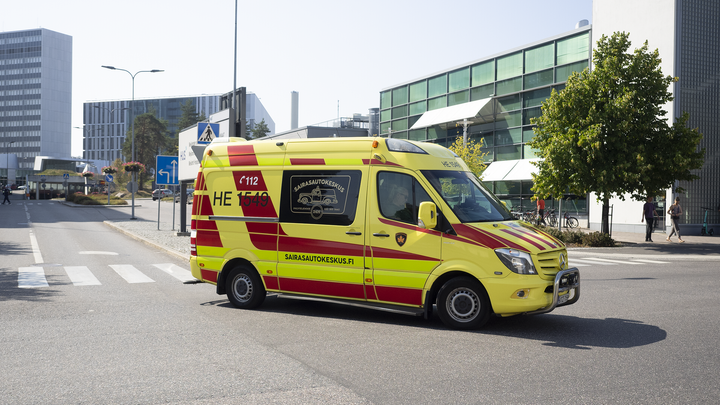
<point>563,298</point>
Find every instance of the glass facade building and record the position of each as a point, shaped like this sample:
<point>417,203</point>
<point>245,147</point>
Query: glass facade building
<point>517,82</point>
<point>106,123</point>
<point>35,98</point>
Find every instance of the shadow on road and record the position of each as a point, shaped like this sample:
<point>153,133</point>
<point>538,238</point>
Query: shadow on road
<point>554,330</point>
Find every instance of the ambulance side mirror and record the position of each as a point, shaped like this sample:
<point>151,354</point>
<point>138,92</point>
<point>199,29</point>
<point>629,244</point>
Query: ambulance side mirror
<point>427,215</point>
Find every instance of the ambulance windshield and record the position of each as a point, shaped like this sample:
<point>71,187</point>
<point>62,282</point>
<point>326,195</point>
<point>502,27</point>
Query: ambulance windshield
<point>468,199</point>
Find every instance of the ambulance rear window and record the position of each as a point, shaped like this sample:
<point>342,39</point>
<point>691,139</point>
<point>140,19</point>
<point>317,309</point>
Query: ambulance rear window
<point>398,145</point>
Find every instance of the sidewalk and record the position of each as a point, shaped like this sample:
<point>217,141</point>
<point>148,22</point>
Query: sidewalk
<point>146,230</point>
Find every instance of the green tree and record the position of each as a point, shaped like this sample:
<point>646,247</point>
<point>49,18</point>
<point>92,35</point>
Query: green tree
<point>259,130</point>
<point>188,118</point>
<point>150,140</point>
<point>471,154</point>
<point>607,133</point>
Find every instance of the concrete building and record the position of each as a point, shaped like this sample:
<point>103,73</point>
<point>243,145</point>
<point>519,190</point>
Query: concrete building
<point>35,99</point>
<point>492,99</point>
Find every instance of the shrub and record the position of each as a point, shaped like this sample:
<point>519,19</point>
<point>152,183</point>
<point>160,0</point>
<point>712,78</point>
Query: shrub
<point>598,239</point>
<point>573,236</point>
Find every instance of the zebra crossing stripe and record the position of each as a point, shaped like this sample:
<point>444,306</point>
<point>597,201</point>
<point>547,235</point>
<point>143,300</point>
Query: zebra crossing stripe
<point>589,262</point>
<point>32,277</point>
<point>650,261</point>
<point>131,274</point>
<point>573,264</point>
<point>175,271</point>
<point>81,275</point>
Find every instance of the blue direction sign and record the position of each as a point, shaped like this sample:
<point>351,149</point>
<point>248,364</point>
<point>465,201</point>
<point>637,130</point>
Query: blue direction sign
<point>207,132</point>
<point>167,170</point>
<point>109,178</point>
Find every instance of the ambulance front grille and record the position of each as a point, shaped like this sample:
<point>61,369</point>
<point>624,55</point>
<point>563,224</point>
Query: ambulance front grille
<point>549,262</point>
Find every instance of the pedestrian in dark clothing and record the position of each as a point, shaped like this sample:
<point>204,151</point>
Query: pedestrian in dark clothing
<point>6,193</point>
<point>648,218</point>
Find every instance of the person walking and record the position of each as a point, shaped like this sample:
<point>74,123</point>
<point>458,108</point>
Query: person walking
<point>541,211</point>
<point>649,218</point>
<point>675,211</point>
<point>6,193</point>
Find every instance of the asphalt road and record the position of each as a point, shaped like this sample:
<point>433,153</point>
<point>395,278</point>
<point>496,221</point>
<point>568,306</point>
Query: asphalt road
<point>644,331</point>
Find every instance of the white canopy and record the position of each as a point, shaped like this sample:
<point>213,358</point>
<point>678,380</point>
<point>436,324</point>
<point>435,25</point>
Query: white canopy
<point>507,170</point>
<point>476,112</point>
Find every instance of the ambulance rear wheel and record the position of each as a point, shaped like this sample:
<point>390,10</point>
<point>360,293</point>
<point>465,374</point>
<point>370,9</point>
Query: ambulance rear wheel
<point>244,288</point>
<point>462,303</point>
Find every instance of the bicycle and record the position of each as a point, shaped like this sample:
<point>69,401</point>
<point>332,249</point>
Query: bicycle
<point>570,222</point>
<point>551,218</point>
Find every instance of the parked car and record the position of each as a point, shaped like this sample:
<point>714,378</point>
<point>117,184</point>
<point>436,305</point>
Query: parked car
<point>161,193</point>
<point>190,192</point>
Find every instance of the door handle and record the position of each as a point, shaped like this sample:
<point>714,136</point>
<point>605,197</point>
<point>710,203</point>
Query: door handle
<point>353,233</point>
<point>383,235</point>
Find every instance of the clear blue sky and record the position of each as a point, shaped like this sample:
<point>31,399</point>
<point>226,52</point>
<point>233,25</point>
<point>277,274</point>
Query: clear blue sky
<point>328,51</point>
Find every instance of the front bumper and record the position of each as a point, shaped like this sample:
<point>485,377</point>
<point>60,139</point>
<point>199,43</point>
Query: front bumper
<point>566,290</point>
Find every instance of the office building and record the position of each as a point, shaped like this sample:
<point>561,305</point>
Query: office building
<point>108,122</point>
<point>35,99</point>
<point>493,99</point>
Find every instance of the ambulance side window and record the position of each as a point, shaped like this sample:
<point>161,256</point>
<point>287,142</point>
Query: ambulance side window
<point>327,197</point>
<point>399,196</point>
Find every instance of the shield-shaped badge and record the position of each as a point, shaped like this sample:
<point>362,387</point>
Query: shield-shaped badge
<point>400,238</point>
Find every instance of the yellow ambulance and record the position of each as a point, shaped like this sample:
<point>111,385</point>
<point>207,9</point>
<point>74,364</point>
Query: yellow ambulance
<point>389,224</point>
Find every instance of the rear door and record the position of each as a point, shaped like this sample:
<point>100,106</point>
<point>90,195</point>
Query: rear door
<point>403,254</point>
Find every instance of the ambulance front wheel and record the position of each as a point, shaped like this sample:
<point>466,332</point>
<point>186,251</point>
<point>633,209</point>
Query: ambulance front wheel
<point>462,303</point>
<point>244,288</point>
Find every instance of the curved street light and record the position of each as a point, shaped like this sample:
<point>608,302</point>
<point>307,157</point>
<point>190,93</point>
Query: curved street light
<point>132,123</point>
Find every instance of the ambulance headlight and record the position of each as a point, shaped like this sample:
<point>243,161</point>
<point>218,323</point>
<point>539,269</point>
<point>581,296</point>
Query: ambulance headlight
<point>517,261</point>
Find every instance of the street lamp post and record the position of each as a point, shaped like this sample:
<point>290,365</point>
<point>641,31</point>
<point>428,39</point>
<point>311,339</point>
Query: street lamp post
<point>132,123</point>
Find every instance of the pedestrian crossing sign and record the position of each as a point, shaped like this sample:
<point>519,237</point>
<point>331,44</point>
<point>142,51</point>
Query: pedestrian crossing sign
<point>207,132</point>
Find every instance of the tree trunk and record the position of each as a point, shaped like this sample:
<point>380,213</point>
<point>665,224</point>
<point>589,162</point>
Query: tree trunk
<point>605,227</point>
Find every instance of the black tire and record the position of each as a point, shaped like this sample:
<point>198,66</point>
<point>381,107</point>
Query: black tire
<point>462,303</point>
<point>572,222</point>
<point>244,288</point>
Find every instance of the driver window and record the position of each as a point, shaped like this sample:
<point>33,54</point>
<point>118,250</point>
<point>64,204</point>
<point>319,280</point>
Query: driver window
<point>399,196</point>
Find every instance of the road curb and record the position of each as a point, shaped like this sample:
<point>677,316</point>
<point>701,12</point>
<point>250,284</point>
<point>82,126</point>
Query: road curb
<point>177,254</point>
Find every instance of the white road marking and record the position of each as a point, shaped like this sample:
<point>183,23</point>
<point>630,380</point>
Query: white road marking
<point>175,271</point>
<point>573,264</point>
<point>586,261</point>
<point>614,261</point>
<point>32,277</point>
<point>81,275</point>
<point>97,252</point>
<point>36,248</point>
<point>131,274</point>
<point>650,261</point>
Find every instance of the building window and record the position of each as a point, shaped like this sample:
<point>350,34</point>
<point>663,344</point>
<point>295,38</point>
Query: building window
<point>437,86</point>
<point>538,79</point>
<point>417,108</point>
<point>573,49</point>
<point>539,58</point>
<point>483,73</point>
<point>479,93</point>
<point>418,91</point>
<point>563,72</point>
<point>385,99</point>
<point>509,86</point>
<point>509,66</point>
<point>459,80</point>
<point>436,103</point>
<point>400,96</point>
<point>458,98</point>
